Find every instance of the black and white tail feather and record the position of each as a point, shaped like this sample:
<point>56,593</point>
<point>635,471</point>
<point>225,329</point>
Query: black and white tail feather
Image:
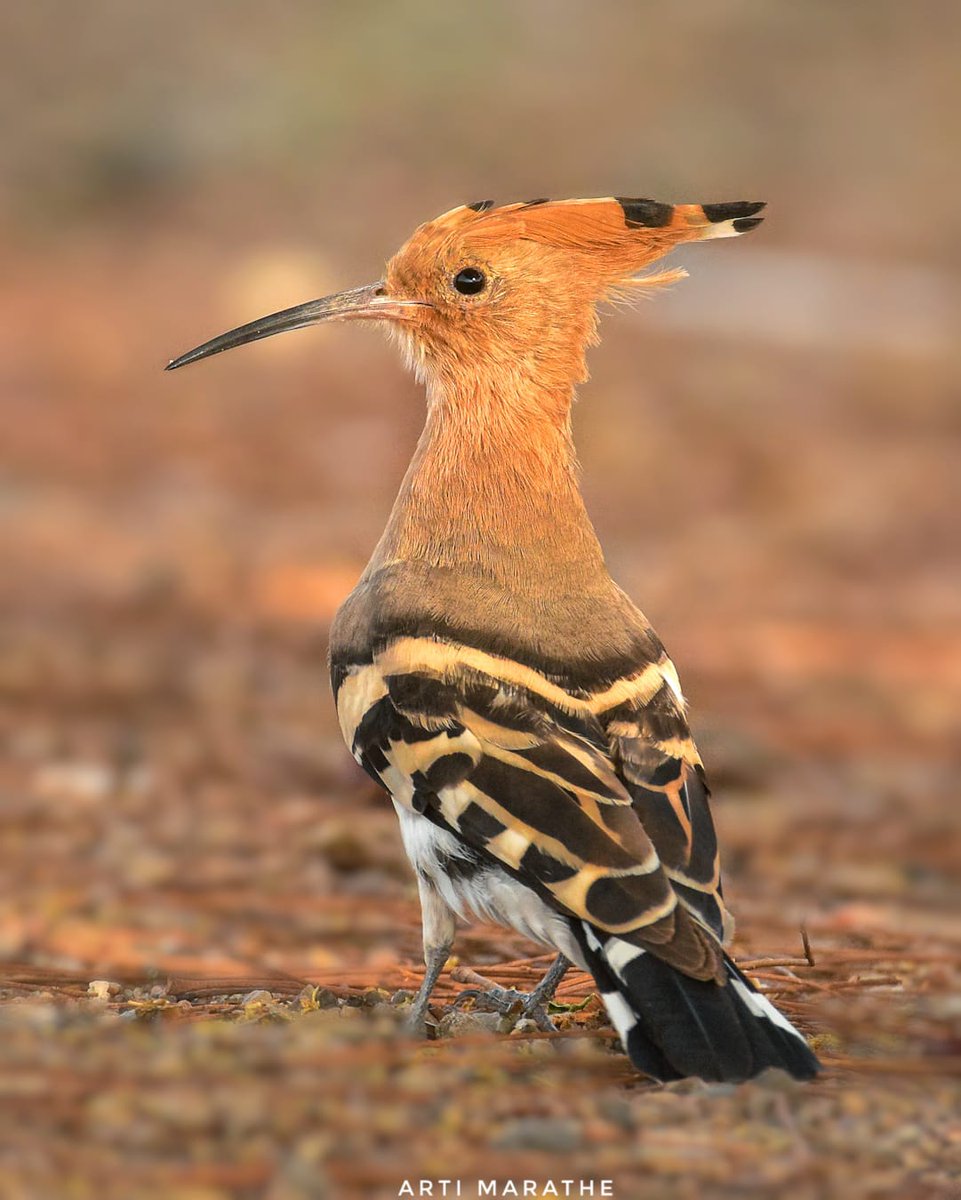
<point>672,1026</point>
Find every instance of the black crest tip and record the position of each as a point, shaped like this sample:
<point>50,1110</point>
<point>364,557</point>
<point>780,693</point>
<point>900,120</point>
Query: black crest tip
<point>733,210</point>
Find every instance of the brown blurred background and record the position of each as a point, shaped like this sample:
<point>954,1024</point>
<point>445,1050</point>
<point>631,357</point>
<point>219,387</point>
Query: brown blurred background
<point>770,452</point>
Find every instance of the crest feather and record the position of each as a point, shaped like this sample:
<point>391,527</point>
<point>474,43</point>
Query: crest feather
<point>617,235</point>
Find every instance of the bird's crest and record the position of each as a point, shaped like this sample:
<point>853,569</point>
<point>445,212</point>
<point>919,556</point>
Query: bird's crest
<point>618,236</point>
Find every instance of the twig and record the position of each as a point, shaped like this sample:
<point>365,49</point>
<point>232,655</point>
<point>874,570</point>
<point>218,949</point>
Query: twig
<point>806,943</point>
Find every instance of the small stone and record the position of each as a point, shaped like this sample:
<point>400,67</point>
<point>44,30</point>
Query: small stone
<point>467,1024</point>
<point>616,1110</point>
<point>103,989</point>
<point>551,1134</point>
<point>312,998</point>
<point>258,996</point>
<point>526,1025</point>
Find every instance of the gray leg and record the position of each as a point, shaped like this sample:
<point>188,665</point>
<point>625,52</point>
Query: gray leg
<point>541,996</point>
<point>417,1018</point>
<point>439,926</point>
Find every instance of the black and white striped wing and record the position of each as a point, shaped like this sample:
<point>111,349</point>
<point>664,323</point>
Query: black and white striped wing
<point>505,759</point>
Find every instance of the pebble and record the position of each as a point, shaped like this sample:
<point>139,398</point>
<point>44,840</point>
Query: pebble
<point>317,997</point>
<point>467,1024</point>
<point>258,996</point>
<point>526,1025</point>
<point>553,1134</point>
<point>103,989</point>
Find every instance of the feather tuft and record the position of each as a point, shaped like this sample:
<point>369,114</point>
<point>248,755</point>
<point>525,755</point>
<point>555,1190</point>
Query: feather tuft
<point>635,287</point>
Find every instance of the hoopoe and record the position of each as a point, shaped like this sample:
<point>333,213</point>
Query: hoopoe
<point>491,676</point>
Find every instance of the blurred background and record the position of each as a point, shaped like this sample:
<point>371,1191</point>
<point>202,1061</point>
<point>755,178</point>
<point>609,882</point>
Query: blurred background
<point>771,456</point>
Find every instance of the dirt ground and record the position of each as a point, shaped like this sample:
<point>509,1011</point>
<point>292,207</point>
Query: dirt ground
<point>207,926</point>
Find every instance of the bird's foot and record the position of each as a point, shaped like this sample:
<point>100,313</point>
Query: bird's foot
<point>510,1002</point>
<point>418,1022</point>
<point>415,1025</point>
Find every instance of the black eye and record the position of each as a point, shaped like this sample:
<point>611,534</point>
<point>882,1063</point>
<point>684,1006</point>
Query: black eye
<point>470,281</point>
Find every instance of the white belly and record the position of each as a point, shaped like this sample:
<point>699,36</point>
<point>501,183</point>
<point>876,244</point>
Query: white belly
<point>481,890</point>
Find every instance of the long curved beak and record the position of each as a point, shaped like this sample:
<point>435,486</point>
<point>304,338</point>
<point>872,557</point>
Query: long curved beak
<point>368,303</point>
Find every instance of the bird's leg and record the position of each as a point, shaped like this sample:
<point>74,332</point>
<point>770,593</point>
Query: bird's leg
<point>542,995</point>
<point>435,959</point>
<point>532,1005</point>
<point>438,927</point>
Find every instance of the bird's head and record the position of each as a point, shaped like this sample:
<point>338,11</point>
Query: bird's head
<point>510,292</point>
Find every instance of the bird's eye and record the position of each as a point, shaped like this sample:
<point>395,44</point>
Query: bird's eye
<point>470,281</point>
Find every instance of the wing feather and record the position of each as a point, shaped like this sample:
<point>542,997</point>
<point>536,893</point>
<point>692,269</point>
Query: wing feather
<point>604,828</point>
<point>654,755</point>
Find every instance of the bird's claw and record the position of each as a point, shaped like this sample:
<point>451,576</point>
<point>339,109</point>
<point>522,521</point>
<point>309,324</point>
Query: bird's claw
<point>415,1025</point>
<point>509,1002</point>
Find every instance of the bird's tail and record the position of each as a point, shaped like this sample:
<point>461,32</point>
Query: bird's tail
<point>673,1026</point>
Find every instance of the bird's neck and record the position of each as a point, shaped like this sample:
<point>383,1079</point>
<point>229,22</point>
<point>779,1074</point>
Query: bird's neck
<point>493,489</point>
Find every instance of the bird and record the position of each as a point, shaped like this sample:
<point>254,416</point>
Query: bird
<point>490,675</point>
